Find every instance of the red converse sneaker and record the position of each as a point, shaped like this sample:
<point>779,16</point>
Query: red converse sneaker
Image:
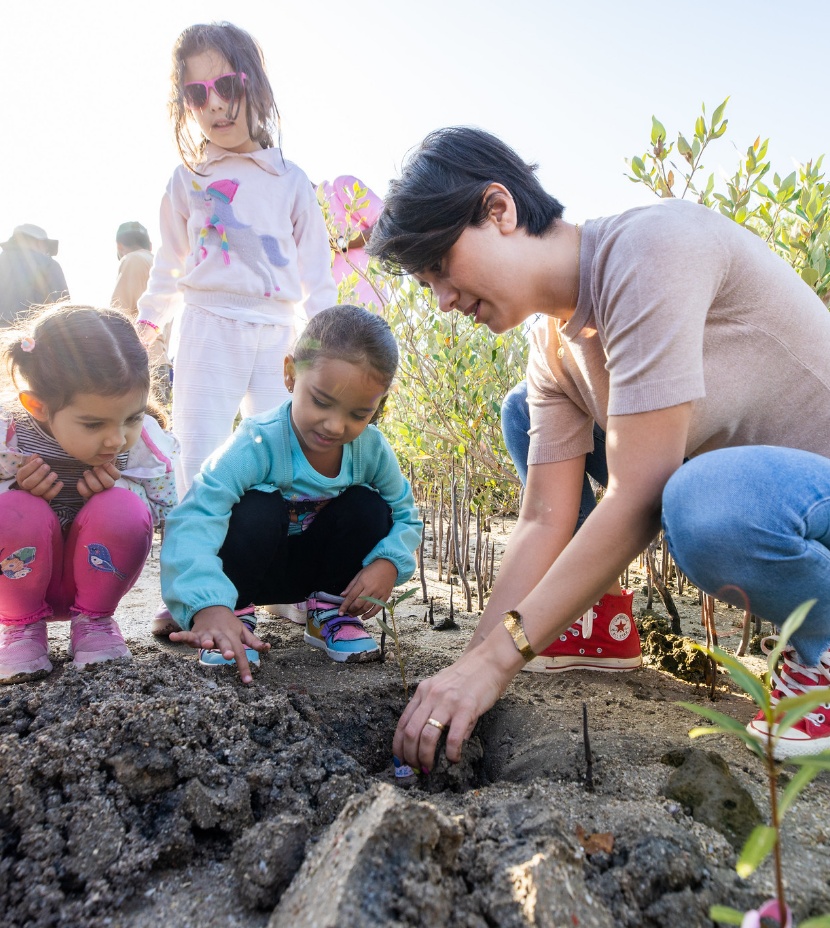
<point>812,733</point>
<point>605,638</point>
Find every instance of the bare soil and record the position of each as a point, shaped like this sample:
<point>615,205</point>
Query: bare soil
<point>154,791</point>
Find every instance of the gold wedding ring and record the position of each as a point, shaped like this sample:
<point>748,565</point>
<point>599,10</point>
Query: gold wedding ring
<point>436,724</point>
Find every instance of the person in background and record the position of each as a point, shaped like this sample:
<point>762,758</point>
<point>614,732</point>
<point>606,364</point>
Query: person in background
<point>243,242</point>
<point>29,274</point>
<point>135,259</point>
<point>353,217</point>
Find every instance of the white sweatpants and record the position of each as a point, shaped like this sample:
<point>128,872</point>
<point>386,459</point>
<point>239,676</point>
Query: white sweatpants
<point>222,366</point>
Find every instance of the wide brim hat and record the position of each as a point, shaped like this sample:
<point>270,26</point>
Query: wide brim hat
<point>29,230</point>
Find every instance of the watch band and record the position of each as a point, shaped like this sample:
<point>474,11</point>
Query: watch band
<point>513,624</point>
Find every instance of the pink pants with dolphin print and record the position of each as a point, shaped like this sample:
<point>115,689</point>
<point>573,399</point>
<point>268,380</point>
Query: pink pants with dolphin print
<point>45,571</point>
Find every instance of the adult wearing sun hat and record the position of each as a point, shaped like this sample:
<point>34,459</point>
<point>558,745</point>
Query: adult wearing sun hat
<point>29,274</point>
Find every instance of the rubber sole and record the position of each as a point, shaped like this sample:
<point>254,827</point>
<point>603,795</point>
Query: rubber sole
<point>24,676</point>
<point>543,664</point>
<point>343,657</point>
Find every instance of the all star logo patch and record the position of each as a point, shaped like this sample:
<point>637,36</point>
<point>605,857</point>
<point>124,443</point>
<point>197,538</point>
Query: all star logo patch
<point>620,627</point>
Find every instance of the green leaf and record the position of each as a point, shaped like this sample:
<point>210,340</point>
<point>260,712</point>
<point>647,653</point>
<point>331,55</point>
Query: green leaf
<point>791,625</point>
<point>718,114</point>
<point>755,851</point>
<point>406,595</point>
<point>700,128</point>
<point>657,130</point>
<point>747,680</point>
<point>723,724</point>
<point>794,787</point>
<point>722,913</point>
<point>377,602</point>
<point>384,626</point>
<point>794,708</point>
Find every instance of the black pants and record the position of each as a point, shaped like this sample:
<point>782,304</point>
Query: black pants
<point>267,565</point>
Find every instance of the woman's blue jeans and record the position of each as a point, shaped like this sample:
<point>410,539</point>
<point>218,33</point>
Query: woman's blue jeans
<point>515,426</point>
<point>749,525</point>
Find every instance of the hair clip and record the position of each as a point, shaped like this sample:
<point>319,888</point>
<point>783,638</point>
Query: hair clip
<point>27,344</point>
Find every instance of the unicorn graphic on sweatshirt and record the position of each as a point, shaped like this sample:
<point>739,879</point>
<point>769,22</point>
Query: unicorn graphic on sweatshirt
<point>248,245</point>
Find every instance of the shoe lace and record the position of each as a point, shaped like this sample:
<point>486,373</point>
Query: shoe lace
<point>10,634</point>
<point>787,683</point>
<point>585,623</point>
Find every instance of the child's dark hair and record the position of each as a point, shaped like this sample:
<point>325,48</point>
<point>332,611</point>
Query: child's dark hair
<point>441,192</point>
<point>350,333</point>
<point>242,52</point>
<point>62,350</point>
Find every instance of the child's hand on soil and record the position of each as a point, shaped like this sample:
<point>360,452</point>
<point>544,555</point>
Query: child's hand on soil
<point>37,478</point>
<point>217,627</point>
<point>377,581</point>
<point>97,479</point>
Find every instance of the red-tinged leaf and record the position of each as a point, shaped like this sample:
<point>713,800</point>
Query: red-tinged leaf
<point>595,843</point>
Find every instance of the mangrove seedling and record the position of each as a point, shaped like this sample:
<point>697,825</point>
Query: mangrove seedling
<point>780,717</point>
<point>391,628</point>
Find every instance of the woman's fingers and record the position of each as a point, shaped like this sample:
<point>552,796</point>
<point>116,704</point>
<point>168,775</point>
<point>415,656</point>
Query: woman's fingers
<point>452,701</point>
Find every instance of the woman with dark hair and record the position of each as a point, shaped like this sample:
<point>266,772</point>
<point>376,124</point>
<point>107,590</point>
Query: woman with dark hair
<point>686,339</point>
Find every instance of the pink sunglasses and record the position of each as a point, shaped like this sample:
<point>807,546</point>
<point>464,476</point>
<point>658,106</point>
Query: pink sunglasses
<point>227,86</point>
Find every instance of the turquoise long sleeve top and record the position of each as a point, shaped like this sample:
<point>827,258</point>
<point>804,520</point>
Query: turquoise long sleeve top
<point>258,457</point>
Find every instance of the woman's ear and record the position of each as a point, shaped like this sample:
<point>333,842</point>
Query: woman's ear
<point>501,207</point>
<point>289,372</point>
<point>34,406</point>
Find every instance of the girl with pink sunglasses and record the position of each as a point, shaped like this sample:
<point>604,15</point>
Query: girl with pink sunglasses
<point>244,246</point>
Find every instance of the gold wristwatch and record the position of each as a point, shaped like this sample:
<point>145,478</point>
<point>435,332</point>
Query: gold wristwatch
<point>513,623</point>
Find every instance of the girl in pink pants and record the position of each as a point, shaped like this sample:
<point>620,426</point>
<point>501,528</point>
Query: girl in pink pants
<point>84,474</point>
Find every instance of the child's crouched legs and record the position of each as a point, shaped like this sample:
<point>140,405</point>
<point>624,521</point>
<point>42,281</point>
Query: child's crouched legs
<point>30,546</point>
<point>751,526</point>
<point>105,552</point>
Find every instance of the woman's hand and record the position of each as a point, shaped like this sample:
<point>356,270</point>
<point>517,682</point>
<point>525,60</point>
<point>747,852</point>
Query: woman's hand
<point>377,580</point>
<point>38,478</point>
<point>456,697</point>
<point>217,627</point>
<point>97,479</point>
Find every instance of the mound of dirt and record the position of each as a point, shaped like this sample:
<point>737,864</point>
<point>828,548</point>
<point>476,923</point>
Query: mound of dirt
<point>158,792</point>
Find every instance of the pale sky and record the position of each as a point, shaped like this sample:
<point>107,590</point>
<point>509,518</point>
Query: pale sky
<point>570,84</point>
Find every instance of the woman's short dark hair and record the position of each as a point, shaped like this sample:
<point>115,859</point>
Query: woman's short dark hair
<point>441,192</point>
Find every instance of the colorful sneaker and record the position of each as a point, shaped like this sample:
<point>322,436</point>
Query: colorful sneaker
<point>811,734</point>
<point>294,612</point>
<point>213,657</point>
<point>342,637</point>
<point>605,638</point>
<point>24,652</point>
<point>163,623</point>
<point>92,641</point>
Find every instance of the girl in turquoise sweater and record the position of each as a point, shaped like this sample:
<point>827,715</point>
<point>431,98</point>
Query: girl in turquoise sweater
<point>307,497</point>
